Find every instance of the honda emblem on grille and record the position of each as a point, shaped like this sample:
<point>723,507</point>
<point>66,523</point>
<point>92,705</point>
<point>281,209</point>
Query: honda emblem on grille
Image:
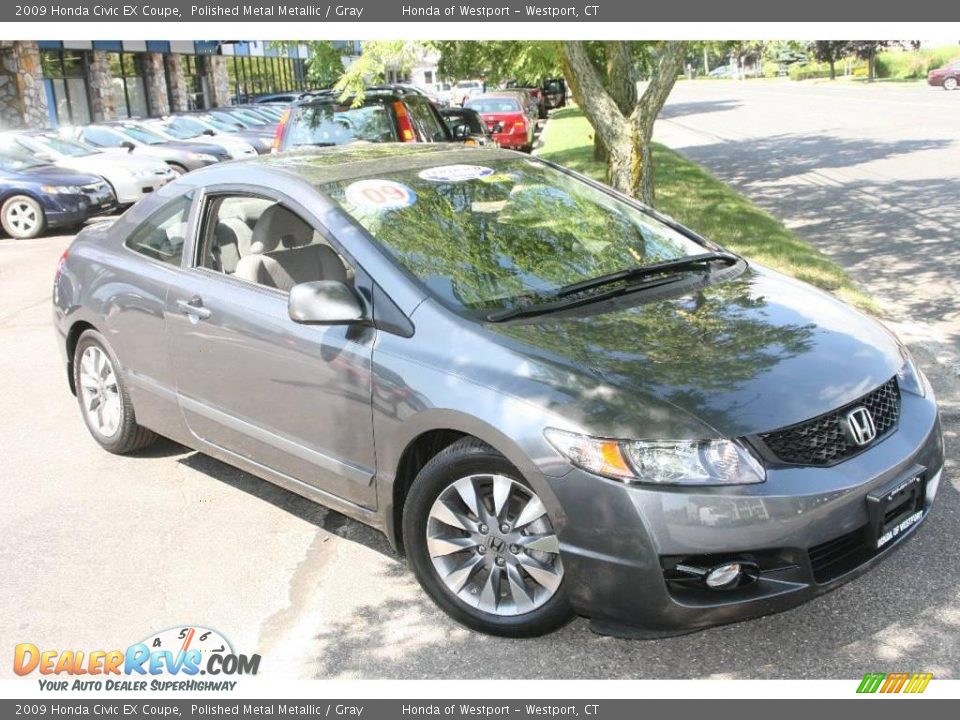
<point>860,427</point>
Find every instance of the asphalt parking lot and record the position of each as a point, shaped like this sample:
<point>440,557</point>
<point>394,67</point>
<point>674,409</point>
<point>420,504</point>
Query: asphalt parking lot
<point>103,550</point>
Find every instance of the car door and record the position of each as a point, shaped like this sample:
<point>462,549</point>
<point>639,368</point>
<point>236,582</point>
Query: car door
<point>293,398</point>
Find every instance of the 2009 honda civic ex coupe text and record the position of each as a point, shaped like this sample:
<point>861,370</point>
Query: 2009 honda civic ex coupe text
<point>555,400</point>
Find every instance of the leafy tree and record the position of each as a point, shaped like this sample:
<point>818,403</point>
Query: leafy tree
<point>325,65</point>
<point>622,120</point>
<point>498,60</point>
<point>830,51</point>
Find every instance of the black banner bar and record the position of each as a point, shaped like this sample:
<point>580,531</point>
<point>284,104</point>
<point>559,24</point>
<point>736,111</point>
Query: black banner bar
<point>532,11</point>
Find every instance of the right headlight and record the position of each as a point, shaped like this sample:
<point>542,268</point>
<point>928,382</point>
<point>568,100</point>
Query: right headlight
<point>660,462</point>
<point>909,377</point>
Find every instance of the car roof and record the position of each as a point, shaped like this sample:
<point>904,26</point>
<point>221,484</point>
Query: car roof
<point>318,166</point>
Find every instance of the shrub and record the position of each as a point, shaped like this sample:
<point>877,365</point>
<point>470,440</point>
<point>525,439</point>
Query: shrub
<point>909,65</point>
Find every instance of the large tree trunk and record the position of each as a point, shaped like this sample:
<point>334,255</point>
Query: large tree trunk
<point>706,60</point>
<point>625,135</point>
<point>833,69</point>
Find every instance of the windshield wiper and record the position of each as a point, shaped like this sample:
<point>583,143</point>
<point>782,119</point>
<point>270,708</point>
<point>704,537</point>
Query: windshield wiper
<point>649,276</point>
<point>667,267</point>
<point>557,303</point>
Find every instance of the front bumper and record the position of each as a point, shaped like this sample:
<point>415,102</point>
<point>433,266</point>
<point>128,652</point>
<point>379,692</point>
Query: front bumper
<point>68,210</point>
<point>619,542</point>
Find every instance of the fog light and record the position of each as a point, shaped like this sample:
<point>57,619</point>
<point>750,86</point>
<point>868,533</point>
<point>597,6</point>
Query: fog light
<point>723,575</point>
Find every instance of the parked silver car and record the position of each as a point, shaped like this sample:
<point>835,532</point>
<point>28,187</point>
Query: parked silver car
<point>553,399</point>
<point>203,123</point>
<point>166,127</point>
<point>130,176</point>
<point>127,136</point>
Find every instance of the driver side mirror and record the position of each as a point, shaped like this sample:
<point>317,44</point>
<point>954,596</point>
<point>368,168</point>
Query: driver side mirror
<point>128,145</point>
<point>325,302</point>
<point>461,132</point>
<point>208,131</point>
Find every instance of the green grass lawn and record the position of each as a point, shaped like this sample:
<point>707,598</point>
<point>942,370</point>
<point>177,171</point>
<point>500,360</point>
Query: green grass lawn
<point>698,200</point>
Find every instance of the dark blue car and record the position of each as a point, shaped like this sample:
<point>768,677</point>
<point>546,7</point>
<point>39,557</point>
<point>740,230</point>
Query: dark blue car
<point>36,195</point>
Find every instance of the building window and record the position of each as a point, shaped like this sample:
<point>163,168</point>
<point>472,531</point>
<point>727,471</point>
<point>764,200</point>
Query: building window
<point>198,95</point>
<point>64,74</point>
<point>428,77</point>
<point>128,86</point>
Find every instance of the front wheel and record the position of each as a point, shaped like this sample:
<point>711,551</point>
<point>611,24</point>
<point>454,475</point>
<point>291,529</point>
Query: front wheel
<point>482,545</point>
<point>22,217</point>
<point>104,401</point>
<point>950,83</point>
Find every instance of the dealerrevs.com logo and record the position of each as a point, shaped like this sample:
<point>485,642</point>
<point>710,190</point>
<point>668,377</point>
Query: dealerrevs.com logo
<point>172,659</point>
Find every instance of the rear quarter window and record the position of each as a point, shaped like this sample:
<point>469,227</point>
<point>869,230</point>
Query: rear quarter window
<point>162,235</point>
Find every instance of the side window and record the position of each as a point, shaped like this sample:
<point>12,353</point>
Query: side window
<point>430,124</point>
<point>261,241</point>
<point>161,236</point>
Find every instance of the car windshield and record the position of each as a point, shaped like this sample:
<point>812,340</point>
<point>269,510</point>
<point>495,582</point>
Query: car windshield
<point>215,123</point>
<point>65,146</point>
<point>502,234</point>
<point>250,117</point>
<point>334,124</point>
<point>141,134</point>
<point>494,105</point>
<point>183,131</point>
<point>233,121</point>
<point>13,161</point>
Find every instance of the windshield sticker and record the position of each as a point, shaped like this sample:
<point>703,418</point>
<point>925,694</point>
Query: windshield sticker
<point>455,173</point>
<point>376,194</point>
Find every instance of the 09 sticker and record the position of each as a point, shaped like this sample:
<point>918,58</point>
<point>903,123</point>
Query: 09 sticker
<point>379,194</point>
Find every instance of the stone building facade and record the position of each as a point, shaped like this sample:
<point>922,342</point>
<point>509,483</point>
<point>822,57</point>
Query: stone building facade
<point>30,98</point>
<point>23,102</point>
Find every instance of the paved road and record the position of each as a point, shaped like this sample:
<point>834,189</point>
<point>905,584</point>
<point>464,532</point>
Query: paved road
<point>870,175</point>
<point>100,551</point>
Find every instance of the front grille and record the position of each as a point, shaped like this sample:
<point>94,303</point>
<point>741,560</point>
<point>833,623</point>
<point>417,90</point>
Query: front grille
<point>836,557</point>
<point>822,441</point>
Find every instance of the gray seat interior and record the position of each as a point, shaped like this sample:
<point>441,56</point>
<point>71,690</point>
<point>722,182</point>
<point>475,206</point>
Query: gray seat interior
<point>282,251</point>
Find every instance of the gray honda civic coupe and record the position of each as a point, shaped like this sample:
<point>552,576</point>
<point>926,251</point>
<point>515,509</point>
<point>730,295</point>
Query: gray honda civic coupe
<point>554,400</point>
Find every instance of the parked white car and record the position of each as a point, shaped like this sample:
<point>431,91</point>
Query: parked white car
<point>171,130</point>
<point>130,176</point>
<point>466,89</point>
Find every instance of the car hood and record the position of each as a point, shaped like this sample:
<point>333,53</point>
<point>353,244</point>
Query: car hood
<point>50,174</point>
<point>108,162</point>
<point>747,355</point>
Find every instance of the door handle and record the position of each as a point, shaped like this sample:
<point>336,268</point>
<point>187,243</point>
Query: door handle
<point>193,307</point>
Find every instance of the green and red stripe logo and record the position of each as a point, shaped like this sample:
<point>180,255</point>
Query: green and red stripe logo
<point>913,683</point>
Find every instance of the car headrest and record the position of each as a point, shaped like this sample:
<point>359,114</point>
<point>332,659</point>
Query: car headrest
<point>278,225</point>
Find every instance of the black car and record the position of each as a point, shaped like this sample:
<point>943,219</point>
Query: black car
<point>467,126</point>
<point>385,114</point>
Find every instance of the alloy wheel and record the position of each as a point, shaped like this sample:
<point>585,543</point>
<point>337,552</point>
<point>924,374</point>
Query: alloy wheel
<point>950,84</point>
<point>22,217</point>
<point>100,393</point>
<point>493,546</point>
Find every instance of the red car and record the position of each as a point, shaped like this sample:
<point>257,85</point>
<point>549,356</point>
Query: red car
<point>947,77</point>
<point>506,118</point>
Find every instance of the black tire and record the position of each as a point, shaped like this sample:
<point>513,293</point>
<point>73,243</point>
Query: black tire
<point>465,457</point>
<point>947,85</point>
<point>24,202</point>
<point>130,436</point>
<point>179,169</point>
